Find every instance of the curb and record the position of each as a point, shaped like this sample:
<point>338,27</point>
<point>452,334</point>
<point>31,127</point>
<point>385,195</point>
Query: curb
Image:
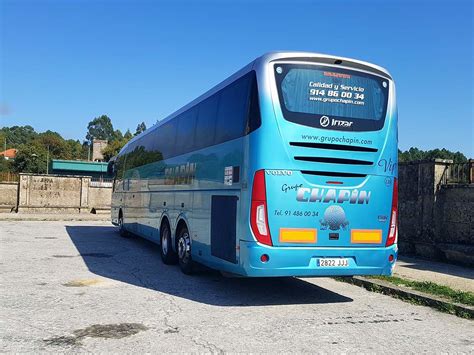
<point>403,293</point>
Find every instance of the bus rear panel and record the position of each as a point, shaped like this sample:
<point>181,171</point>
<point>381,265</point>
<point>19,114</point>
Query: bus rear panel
<point>324,192</point>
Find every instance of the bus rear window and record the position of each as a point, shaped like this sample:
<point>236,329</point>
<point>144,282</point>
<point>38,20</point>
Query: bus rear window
<point>331,98</point>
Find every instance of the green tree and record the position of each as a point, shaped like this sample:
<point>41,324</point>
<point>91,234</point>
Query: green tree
<point>117,136</point>
<point>414,154</point>
<point>112,149</point>
<point>100,128</point>
<point>30,159</point>
<point>5,165</point>
<point>128,135</point>
<point>85,150</point>
<point>140,128</point>
<point>54,143</point>
<point>3,139</point>
<point>74,148</point>
<point>17,135</point>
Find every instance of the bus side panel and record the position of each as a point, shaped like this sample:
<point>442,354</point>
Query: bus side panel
<point>182,188</point>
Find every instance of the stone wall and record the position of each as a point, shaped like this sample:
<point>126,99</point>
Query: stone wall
<point>98,145</point>
<point>51,192</point>
<point>100,198</point>
<point>436,219</point>
<point>8,196</point>
<point>60,193</point>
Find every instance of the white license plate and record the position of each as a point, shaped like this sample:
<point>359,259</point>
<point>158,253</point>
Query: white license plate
<point>333,262</point>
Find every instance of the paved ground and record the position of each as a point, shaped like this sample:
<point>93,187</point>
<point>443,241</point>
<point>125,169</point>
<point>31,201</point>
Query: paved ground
<point>56,216</point>
<point>78,286</point>
<point>457,277</point>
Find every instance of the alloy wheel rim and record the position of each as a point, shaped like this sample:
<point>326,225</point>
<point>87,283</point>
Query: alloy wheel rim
<point>164,244</point>
<point>184,247</point>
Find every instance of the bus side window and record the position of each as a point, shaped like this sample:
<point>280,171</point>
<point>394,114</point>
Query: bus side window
<point>164,141</point>
<point>205,128</point>
<point>254,119</point>
<point>185,133</point>
<point>232,114</point>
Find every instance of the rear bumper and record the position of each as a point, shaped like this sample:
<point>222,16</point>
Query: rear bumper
<point>302,261</point>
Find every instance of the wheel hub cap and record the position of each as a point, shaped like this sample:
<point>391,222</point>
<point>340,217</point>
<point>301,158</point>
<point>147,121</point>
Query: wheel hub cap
<point>184,246</point>
<point>164,244</point>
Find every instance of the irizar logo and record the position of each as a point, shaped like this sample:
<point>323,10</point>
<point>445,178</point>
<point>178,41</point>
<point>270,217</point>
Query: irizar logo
<point>325,121</point>
<point>341,123</point>
<point>305,194</point>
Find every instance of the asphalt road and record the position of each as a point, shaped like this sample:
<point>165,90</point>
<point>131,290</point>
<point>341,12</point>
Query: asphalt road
<point>78,286</point>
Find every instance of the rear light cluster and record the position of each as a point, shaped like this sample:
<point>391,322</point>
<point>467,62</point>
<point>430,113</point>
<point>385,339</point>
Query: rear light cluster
<point>258,212</point>
<point>393,230</point>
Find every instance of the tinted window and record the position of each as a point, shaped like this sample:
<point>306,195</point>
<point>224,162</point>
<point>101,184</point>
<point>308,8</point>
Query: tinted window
<point>232,114</point>
<point>224,116</point>
<point>165,139</point>
<point>147,142</point>
<point>186,130</point>
<point>254,120</point>
<point>309,92</point>
<point>205,127</point>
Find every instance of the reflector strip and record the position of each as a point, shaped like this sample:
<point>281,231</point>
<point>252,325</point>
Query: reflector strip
<point>298,235</point>
<point>366,236</point>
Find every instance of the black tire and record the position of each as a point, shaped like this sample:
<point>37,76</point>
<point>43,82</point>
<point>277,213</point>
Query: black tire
<point>168,255</point>
<point>183,246</point>
<point>123,232</point>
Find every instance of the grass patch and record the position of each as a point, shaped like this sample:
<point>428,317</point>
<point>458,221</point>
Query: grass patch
<point>450,303</point>
<point>432,288</point>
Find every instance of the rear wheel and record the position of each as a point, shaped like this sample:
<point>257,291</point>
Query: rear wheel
<point>168,255</point>
<point>184,251</point>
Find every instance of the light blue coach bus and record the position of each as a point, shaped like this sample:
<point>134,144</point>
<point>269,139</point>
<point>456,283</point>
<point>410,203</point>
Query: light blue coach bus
<point>286,168</point>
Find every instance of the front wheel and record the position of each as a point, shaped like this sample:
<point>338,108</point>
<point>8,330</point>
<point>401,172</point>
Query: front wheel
<point>123,232</point>
<point>184,252</point>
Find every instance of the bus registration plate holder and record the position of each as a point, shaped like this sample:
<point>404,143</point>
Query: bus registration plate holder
<point>333,262</point>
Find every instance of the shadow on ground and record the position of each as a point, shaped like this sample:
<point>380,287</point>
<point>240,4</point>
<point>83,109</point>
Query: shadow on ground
<point>136,261</point>
<point>438,267</point>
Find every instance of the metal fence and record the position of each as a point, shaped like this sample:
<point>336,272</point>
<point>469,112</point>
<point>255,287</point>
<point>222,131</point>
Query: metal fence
<point>101,182</point>
<point>9,177</point>
<point>459,173</point>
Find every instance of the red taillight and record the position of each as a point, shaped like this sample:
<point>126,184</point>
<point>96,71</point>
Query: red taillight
<point>392,231</point>
<point>258,211</point>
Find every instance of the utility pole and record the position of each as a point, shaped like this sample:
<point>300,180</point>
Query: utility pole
<point>89,150</point>
<point>47,162</point>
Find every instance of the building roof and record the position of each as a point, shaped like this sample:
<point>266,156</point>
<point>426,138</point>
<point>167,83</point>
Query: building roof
<point>79,165</point>
<point>9,153</point>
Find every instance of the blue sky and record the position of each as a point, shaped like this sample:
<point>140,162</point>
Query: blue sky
<point>66,62</point>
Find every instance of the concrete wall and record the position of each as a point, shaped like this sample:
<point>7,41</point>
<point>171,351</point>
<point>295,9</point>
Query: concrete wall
<point>8,196</point>
<point>100,198</point>
<point>98,146</point>
<point>57,193</point>
<point>436,219</point>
